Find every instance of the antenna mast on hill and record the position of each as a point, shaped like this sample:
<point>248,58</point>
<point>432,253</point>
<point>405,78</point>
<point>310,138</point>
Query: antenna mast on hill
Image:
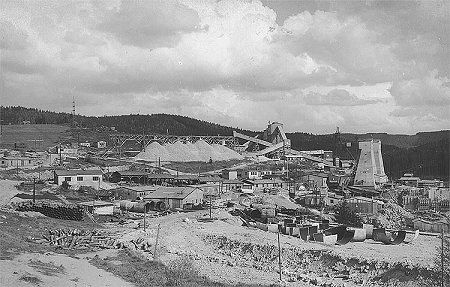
<point>73,111</point>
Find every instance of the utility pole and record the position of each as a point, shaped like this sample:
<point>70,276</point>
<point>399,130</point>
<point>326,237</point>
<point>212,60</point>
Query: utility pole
<point>145,216</point>
<point>210,205</point>
<point>156,243</point>
<point>442,258</point>
<point>60,155</point>
<point>34,190</point>
<point>279,251</point>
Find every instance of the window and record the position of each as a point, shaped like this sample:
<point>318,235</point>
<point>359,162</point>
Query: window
<point>95,178</point>
<point>29,161</point>
<point>79,178</point>
<point>68,178</point>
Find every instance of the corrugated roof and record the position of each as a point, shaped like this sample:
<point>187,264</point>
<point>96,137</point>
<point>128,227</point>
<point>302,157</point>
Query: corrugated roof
<point>159,176</point>
<point>96,203</point>
<point>140,187</point>
<point>131,173</point>
<point>186,177</point>
<point>210,179</point>
<point>409,178</point>
<point>263,181</point>
<point>232,181</point>
<point>78,172</point>
<point>171,193</point>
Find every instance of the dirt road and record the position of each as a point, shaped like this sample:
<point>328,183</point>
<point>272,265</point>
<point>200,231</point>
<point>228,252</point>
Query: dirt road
<point>7,191</point>
<point>51,269</point>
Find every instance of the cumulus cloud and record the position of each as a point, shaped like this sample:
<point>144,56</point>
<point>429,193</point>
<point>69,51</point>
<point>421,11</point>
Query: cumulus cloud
<point>429,90</point>
<point>337,97</point>
<point>11,37</point>
<point>221,59</point>
<point>150,23</point>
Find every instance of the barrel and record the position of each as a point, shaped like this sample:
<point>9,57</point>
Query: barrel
<point>360,234</point>
<point>369,230</point>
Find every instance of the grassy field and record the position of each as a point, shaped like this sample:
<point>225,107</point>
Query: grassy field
<point>45,135</point>
<point>145,273</point>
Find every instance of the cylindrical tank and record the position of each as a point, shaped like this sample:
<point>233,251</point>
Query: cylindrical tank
<point>126,205</point>
<point>161,206</point>
<point>255,213</point>
<point>151,205</point>
<point>139,207</point>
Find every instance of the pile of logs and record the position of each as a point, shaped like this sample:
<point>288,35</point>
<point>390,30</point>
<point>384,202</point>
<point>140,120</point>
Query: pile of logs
<point>53,209</point>
<point>78,239</point>
<point>71,239</point>
<point>141,244</point>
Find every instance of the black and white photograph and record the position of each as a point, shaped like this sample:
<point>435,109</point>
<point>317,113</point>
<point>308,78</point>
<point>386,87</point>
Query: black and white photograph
<point>224,143</point>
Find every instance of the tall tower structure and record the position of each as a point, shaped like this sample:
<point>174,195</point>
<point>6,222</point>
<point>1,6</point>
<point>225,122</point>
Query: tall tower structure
<point>366,169</point>
<point>380,175</point>
<point>73,111</point>
<point>370,170</point>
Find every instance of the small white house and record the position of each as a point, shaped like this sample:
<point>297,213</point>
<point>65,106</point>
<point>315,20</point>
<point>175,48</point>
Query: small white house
<point>101,144</point>
<point>17,162</point>
<point>177,197</point>
<point>98,207</point>
<point>92,178</point>
<point>85,144</point>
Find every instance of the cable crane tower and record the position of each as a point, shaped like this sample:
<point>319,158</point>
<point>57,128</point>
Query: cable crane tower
<point>73,112</point>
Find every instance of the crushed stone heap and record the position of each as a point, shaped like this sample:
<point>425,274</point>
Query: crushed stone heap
<point>185,152</point>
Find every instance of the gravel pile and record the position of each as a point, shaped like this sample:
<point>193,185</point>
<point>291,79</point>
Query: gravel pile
<point>393,216</point>
<point>180,152</point>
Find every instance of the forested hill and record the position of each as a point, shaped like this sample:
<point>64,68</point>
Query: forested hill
<point>425,154</point>
<point>155,123</point>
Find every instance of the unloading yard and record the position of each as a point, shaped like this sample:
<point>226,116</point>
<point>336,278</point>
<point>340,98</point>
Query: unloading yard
<point>223,250</point>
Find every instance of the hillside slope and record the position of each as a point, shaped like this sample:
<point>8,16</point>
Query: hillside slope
<point>426,154</point>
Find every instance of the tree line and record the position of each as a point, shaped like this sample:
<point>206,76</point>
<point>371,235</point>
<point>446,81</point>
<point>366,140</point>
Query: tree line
<point>425,154</point>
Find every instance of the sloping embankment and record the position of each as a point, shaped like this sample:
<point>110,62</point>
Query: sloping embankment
<point>322,267</point>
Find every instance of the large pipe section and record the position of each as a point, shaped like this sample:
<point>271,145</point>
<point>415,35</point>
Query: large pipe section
<point>138,207</point>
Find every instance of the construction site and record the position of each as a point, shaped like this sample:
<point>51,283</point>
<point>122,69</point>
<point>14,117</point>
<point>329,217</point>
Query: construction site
<point>240,210</point>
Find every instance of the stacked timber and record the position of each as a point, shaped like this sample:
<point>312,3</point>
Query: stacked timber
<point>72,239</point>
<point>53,209</point>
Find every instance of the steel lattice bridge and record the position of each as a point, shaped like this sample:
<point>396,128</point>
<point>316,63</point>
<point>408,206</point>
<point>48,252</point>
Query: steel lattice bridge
<point>118,140</point>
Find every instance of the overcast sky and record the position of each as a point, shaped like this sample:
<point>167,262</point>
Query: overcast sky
<point>365,66</point>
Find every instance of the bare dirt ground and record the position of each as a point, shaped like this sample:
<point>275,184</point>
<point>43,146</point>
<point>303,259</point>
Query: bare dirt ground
<point>51,269</point>
<point>222,250</point>
<point>7,191</point>
<point>218,249</point>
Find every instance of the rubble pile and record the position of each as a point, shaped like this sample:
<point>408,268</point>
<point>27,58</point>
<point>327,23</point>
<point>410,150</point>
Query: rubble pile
<point>316,267</point>
<point>393,216</point>
<point>71,239</point>
<point>53,209</point>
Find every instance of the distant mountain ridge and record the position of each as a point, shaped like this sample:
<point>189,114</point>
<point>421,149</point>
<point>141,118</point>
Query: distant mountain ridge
<point>424,154</point>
